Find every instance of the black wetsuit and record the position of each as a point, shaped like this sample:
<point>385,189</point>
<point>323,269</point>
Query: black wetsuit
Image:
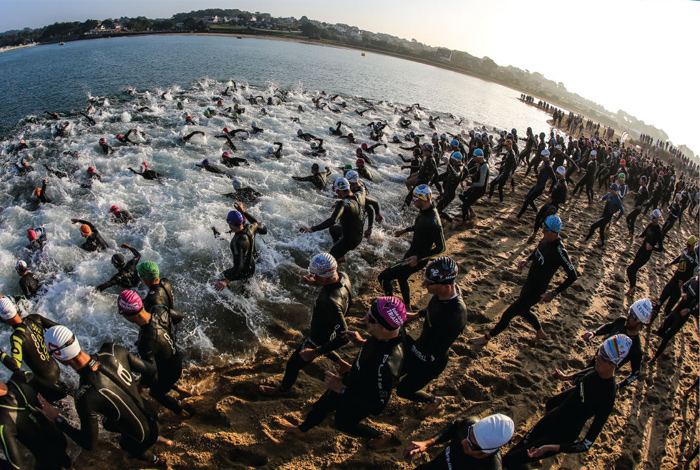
<point>426,357</point>
<point>674,213</point>
<point>567,414</point>
<point>29,285</point>
<point>639,199</point>
<point>43,196</point>
<point>159,294</point>
<point>28,345</point>
<point>559,193</point>
<point>147,174</point>
<point>112,391</point>
<point>634,356</point>
<point>127,277</point>
<point>675,321</point>
<point>21,422</point>
<point>507,169</point>
<point>94,241</point>
<point>319,180</point>
<point>122,217</point>
<point>613,203</point>
<point>156,344</point>
<point>243,250</point>
<point>546,260</point>
<point>588,179</point>
<point>369,384</point>
<point>244,195</point>
<point>653,236</point>
<point>687,261</point>
<point>347,235</point>
<point>546,173</point>
<point>476,190</point>
<point>428,241</point>
<point>327,325</point>
<point>453,456</point>
<point>451,178</point>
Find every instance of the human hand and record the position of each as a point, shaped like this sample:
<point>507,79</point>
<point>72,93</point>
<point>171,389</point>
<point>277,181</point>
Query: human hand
<point>308,354</point>
<point>221,285</point>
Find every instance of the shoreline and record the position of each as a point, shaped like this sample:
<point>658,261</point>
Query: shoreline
<point>23,46</point>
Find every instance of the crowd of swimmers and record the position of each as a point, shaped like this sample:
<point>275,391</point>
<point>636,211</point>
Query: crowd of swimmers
<point>468,165</point>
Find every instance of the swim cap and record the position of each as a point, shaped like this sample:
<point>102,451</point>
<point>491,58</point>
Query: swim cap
<point>85,230</point>
<point>323,265</point>
<point>479,153</point>
<point>91,169</point>
<point>61,343</point>
<point>206,112</point>
<point>656,214</point>
<point>412,134</point>
<point>622,162</point>
<point>456,156</point>
<point>471,132</point>
<point>442,270</point>
<point>478,136</point>
<point>443,136</point>
<point>396,138</point>
<point>435,137</point>
<point>253,124</point>
<point>643,179</point>
<point>314,145</point>
<point>558,147</point>
<point>615,348</point>
<point>427,148</point>
<point>225,155</point>
<point>454,143</point>
<point>364,146</point>
<point>226,130</point>
<point>8,309</point>
<point>341,184</point>
<point>235,218</point>
<point>20,266</point>
<point>37,192</point>
<point>613,187</point>
<point>510,136</point>
<point>118,260</point>
<point>149,270</point>
<point>593,153</point>
<point>352,176</point>
<point>622,176</point>
<point>389,312</point>
<point>103,140</point>
<point>553,224</point>
<point>113,209</point>
<point>263,110</point>
<point>236,183</point>
<point>129,303</point>
<point>270,150</point>
<point>331,129</point>
<point>416,140</point>
<point>561,170</point>
<point>422,192</point>
<point>360,162</point>
<point>351,135</point>
<point>347,167</point>
<point>299,132</point>
<point>119,136</point>
<point>641,310</point>
<point>493,432</point>
<point>375,127</point>
<point>484,137</point>
<point>692,240</point>
<point>31,235</point>
<point>545,153</point>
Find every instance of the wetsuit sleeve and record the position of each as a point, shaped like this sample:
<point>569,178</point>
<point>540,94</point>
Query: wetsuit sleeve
<point>135,252</point>
<point>43,187</point>
<point>335,317</point>
<point>337,213</point>
<point>9,362</point>
<point>601,417</point>
<point>113,281</point>
<point>144,368</point>
<point>13,454</point>
<point>17,343</point>
<point>438,245</point>
<point>303,178</point>
<point>483,174</point>
<point>87,436</point>
<point>677,260</point>
<point>45,322</point>
<point>373,204</point>
<point>608,328</point>
<point>571,274</point>
<point>449,432</point>
<point>636,364</point>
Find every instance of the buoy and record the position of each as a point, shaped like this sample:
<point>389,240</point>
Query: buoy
<point>363,54</point>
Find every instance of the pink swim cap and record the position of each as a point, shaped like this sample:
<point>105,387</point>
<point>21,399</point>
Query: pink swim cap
<point>31,235</point>
<point>129,303</point>
<point>389,312</point>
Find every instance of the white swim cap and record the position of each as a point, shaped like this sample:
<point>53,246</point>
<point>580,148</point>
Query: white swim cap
<point>641,309</point>
<point>8,309</point>
<point>561,170</point>
<point>493,432</point>
<point>61,343</point>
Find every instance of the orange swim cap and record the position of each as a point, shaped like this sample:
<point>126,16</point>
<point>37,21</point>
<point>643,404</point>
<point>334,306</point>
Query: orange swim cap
<point>85,230</point>
<point>37,192</point>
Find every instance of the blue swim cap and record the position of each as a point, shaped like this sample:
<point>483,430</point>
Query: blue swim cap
<point>252,124</point>
<point>236,183</point>
<point>375,127</point>
<point>412,134</point>
<point>553,223</point>
<point>396,138</point>
<point>235,218</point>
<point>613,187</point>
<point>456,156</point>
<point>443,136</point>
<point>205,161</point>
<point>454,143</point>
<point>331,129</point>
<point>478,153</point>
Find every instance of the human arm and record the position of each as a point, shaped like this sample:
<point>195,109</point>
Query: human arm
<point>335,216</point>
<point>134,251</point>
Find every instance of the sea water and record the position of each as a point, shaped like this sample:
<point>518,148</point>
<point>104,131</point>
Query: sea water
<point>173,219</point>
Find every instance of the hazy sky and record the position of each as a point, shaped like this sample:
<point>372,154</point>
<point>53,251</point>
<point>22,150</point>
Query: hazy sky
<point>636,55</point>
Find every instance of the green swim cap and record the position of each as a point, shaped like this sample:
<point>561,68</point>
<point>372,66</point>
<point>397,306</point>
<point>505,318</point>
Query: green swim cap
<point>149,270</point>
<point>622,176</point>
<point>347,167</point>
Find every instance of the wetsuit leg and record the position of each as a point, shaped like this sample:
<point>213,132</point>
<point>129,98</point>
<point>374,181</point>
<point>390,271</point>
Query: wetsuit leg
<point>668,294</point>
<point>520,307</point>
<point>589,191</point>
<point>400,272</point>
<point>598,224</point>
<point>445,201</point>
<point>351,411</point>
<point>419,375</point>
<point>671,326</point>
<point>166,379</point>
<point>336,232</point>
<point>632,218</point>
<point>530,201</point>
<point>141,450</point>
<point>495,182</point>
<point>542,215</point>
<point>640,260</point>
<point>342,247</point>
<point>51,454</point>
<point>294,365</point>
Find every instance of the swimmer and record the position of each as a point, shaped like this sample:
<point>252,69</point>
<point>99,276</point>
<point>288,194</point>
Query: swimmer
<point>186,138</point>
<point>28,284</point>
<point>146,172</point>
<point>41,193</point>
<point>106,149</point>
<point>120,216</point>
<point>229,161</point>
<point>241,193</point>
<point>276,152</point>
<point>127,277</point>
<point>124,138</point>
<point>93,239</point>
<point>319,180</point>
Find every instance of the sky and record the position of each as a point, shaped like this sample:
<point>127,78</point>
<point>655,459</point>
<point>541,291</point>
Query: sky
<point>637,55</point>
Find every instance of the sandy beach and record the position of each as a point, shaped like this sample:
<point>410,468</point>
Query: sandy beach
<point>652,426</point>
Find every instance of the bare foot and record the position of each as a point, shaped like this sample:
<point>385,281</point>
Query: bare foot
<point>182,393</point>
<point>286,426</point>
<point>630,292</point>
<point>273,391</point>
<point>432,408</point>
<point>161,441</point>
<point>540,335</point>
<point>379,442</point>
<point>483,339</point>
<point>184,414</point>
